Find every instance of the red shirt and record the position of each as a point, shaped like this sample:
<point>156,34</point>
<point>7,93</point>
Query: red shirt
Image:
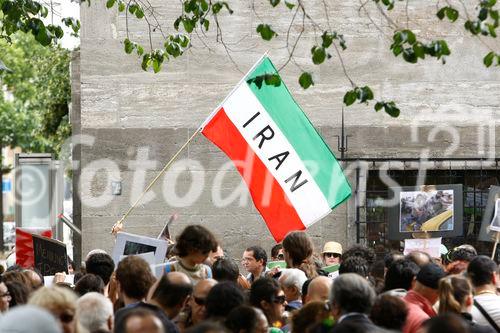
<point>419,310</point>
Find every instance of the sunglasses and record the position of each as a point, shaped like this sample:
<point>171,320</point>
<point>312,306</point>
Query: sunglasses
<point>66,318</point>
<point>279,299</point>
<point>200,301</point>
<point>331,255</point>
<point>281,256</point>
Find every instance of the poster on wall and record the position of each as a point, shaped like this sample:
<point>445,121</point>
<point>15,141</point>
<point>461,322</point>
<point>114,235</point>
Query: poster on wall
<point>435,210</point>
<point>491,216</point>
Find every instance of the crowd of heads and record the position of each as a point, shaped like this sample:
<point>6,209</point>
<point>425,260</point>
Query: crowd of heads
<point>202,289</point>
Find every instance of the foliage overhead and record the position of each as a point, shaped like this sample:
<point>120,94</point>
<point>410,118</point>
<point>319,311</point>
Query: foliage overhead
<point>198,16</point>
<point>34,108</point>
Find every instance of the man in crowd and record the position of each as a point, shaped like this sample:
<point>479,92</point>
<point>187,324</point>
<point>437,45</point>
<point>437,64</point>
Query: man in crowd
<point>95,313</point>
<point>102,265</point>
<point>140,321</point>
<point>198,301</point>
<point>4,296</point>
<point>134,279</point>
<point>171,293</point>
<point>332,253</point>
<point>254,261</point>
<point>421,299</point>
<point>319,289</point>
<point>291,281</point>
<point>351,300</point>
<point>483,273</point>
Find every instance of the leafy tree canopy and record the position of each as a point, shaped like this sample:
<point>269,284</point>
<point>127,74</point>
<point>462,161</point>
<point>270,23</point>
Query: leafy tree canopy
<point>197,17</point>
<point>36,94</point>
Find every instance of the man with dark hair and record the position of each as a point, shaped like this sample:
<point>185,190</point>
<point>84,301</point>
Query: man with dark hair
<point>483,273</point>
<point>254,261</point>
<point>360,251</point>
<point>171,293</point>
<point>421,299</point>
<point>222,298</point>
<point>225,269</point>
<point>89,283</point>
<point>198,301</point>
<point>400,276</point>
<point>102,265</point>
<point>134,279</point>
<point>351,300</point>
<point>354,264</point>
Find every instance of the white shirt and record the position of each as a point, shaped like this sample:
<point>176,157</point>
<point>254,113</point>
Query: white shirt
<point>490,304</point>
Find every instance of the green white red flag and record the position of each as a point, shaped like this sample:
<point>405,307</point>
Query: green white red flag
<point>292,175</point>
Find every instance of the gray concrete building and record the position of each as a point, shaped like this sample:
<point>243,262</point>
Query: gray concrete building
<point>137,120</point>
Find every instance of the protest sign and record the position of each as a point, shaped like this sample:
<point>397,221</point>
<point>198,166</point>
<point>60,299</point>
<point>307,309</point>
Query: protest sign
<point>50,255</point>
<point>130,244</point>
<point>24,245</point>
<point>430,246</point>
<point>273,264</point>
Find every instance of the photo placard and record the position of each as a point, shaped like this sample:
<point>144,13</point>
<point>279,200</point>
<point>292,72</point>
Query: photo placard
<point>487,234</point>
<point>433,210</point>
<point>131,244</point>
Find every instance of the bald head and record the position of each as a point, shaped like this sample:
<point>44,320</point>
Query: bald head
<point>319,289</point>
<point>419,258</point>
<point>198,301</point>
<point>143,323</point>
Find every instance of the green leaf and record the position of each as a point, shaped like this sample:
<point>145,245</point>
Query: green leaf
<point>327,39</point>
<point>419,50</point>
<point>318,55</point>
<point>289,5</point>
<point>140,50</point>
<point>379,106</point>
<point>397,50</point>
<point>265,31</point>
<point>132,8</point>
<point>350,97</point>
<point>129,46</point>
<point>444,48</point>
<point>488,59</point>
<point>110,3</point>
<point>411,38</point>
<point>305,80</point>
<point>483,14</point>
<point>121,6</point>
<point>440,14</point>
<point>206,24</point>
<point>139,13</point>
<point>391,109</point>
<point>274,3</point>
<point>452,14</point>
<point>187,24</point>
<point>156,65</point>
<point>272,80</point>
<point>146,61</point>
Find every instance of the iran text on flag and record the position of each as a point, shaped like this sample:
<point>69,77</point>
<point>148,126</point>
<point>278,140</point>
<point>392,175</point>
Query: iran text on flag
<point>293,177</point>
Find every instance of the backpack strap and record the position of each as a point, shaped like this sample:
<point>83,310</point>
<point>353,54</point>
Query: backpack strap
<point>486,316</point>
<point>170,267</point>
<point>208,270</point>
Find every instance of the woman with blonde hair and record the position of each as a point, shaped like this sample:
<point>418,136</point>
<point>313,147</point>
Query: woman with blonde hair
<point>298,250</point>
<point>455,296</point>
<point>61,302</point>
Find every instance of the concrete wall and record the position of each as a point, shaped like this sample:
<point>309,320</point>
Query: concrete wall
<point>127,110</point>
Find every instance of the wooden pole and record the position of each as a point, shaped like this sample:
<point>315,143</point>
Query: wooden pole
<point>119,225</point>
<point>497,239</point>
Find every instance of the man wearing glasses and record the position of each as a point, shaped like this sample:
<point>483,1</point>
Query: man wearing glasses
<point>4,297</point>
<point>332,253</point>
<point>254,261</point>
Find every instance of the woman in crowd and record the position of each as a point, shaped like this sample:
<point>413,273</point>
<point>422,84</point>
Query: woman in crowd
<point>298,250</point>
<point>455,296</point>
<point>59,301</point>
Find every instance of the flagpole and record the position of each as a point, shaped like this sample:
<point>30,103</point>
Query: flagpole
<point>119,225</point>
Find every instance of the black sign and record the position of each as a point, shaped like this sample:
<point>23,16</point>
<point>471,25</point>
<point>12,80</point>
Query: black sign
<point>50,255</point>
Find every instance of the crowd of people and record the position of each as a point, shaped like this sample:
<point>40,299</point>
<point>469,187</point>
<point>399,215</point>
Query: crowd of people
<point>202,290</point>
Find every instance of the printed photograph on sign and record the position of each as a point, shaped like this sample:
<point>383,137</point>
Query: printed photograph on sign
<point>495,222</point>
<point>426,211</point>
<point>137,248</point>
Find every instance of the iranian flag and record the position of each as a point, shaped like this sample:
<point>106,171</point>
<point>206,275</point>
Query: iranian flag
<point>292,175</point>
